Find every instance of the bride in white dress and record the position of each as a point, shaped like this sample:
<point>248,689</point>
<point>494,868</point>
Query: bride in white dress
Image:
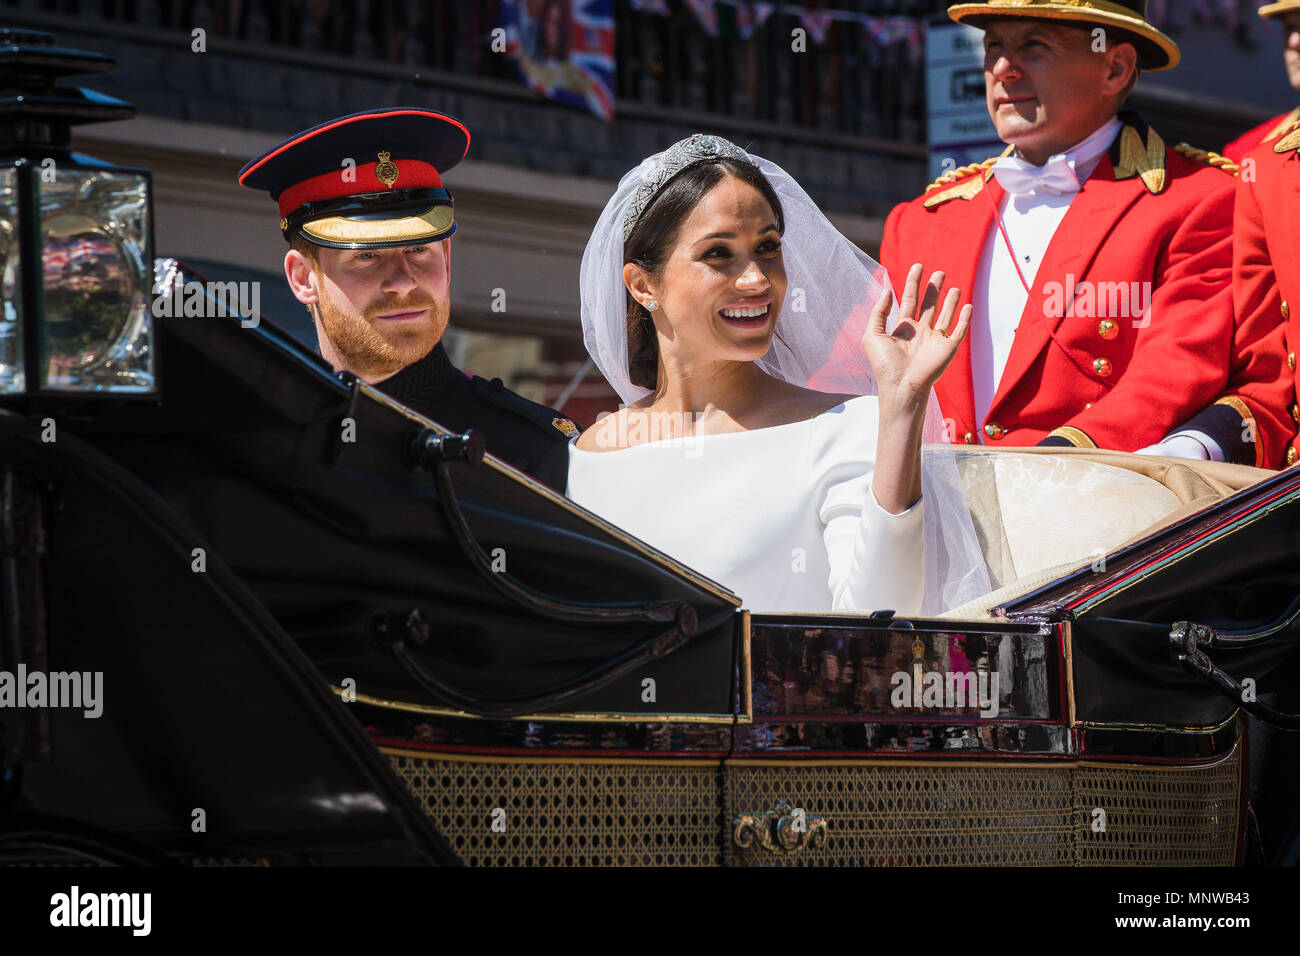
<point>714,293</point>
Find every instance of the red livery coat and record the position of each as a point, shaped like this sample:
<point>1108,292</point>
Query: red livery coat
<point>1069,376</point>
<point>1266,261</point>
<point>1263,133</point>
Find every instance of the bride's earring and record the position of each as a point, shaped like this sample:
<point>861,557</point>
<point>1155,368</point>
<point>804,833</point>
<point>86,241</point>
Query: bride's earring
<point>652,305</point>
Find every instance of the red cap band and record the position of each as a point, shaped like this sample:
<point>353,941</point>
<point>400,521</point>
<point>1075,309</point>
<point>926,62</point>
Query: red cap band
<point>411,174</point>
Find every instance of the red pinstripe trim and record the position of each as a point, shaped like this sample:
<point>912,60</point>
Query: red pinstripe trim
<point>1181,546</point>
<point>353,119</point>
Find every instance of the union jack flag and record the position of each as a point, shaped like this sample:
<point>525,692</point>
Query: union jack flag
<point>579,68</point>
<point>61,255</point>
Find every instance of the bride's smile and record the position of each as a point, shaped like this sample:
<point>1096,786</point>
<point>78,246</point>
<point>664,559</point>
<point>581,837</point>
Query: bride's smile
<point>748,313</point>
<point>720,289</point>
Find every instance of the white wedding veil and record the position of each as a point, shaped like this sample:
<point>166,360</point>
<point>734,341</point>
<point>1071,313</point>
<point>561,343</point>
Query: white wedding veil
<point>831,288</point>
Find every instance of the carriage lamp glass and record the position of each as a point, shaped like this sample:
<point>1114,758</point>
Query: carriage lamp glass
<point>11,319</point>
<point>97,279</point>
<point>81,324</point>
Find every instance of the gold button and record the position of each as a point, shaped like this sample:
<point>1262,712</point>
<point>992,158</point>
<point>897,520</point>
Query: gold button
<point>969,438</point>
<point>994,431</point>
<point>284,224</point>
<point>1295,413</point>
<point>1291,456</point>
<point>1102,367</point>
<point>1107,329</point>
<point>1286,311</point>
<point>1290,361</point>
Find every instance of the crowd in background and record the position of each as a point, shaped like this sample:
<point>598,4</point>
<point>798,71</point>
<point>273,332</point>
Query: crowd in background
<point>861,73</point>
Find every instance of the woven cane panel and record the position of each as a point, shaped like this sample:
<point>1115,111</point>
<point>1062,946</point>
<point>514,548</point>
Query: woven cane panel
<point>571,814</point>
<point>931,815</point>
<point>1160,816</point>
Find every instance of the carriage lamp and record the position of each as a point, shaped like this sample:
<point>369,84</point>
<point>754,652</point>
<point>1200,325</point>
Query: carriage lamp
<point>76,235</point>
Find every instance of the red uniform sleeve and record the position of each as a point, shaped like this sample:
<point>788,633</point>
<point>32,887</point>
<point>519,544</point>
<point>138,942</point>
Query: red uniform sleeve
<point>1260,373</point>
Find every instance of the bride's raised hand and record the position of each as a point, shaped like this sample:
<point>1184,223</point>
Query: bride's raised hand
<point>909,360</point>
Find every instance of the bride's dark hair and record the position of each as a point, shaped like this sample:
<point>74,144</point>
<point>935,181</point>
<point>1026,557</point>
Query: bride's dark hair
<point>654,236</point>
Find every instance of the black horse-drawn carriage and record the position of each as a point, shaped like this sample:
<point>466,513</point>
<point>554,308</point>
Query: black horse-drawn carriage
<point>328,632</point>
<point>320,629</point>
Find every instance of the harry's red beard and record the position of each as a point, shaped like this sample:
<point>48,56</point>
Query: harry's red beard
<point>372,348</point>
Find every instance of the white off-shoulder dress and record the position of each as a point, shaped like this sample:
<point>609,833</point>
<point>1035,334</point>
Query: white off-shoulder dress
<point>783,516</point>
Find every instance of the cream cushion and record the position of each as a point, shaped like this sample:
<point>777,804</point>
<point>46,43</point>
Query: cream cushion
<point>1051,509</point>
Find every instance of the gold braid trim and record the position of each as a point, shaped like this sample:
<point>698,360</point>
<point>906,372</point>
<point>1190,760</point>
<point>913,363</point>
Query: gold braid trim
<point>1248,424</point>
<point>1208,157</point>
<point>1075,436</point>
<point>1287,124</point>
<point>1289,138</point>
<point>960,173</point>
<point>967,185</point>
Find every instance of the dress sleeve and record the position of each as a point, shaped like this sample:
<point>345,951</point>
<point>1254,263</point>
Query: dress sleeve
<point>877,559</point>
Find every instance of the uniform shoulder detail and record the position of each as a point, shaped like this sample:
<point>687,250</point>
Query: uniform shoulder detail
<point>1285,125</point>
<point>1289,139</point>
<point>543,416</point>
<point>1142,158</point>
<point>1208,157</point>
<point>963,182</point>
<point>961,172</point>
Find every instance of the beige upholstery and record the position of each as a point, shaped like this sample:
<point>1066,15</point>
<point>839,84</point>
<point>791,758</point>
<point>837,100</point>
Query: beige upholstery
<point>1040,512</point>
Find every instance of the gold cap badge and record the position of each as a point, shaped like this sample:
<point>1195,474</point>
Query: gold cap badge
<point>386,170</point>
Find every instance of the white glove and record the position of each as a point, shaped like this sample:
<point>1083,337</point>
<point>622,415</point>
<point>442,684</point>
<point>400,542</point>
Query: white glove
<point>1178,446</point>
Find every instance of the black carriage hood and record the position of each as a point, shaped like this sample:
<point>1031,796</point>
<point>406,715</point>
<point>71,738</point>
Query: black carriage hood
<point>305,488</point>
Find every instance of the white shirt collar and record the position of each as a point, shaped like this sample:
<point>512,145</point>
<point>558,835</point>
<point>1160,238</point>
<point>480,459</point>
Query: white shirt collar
<point>1085,157</point>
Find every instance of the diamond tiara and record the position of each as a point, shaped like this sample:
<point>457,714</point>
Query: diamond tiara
<point>698,148</point>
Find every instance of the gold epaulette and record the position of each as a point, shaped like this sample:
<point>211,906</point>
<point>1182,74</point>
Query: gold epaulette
<point>961,172</point>
<point>1290,139</point>
<point>1145,160</point>
<point>968,185</point>
<point>1208,157</point>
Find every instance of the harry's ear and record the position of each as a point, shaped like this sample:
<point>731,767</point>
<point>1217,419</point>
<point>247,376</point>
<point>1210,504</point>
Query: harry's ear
<point>638,283</point>
<point>298,270</point>
<point>446,250</point>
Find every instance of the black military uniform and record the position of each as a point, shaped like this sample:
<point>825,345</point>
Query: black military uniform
<point>332,193</point>
<point>528,435</point>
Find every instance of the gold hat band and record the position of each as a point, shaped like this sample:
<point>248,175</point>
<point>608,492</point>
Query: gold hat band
<point>436,223</point>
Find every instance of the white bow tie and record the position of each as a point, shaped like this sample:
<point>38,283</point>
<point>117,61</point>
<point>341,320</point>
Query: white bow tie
<point>1020,178</point>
